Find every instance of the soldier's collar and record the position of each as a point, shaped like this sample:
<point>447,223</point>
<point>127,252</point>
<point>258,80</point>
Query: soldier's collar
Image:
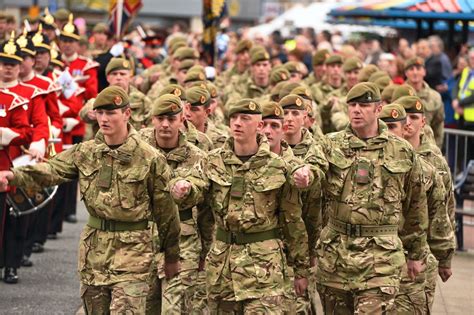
<point>355,142</point>
<point>69,59</point>
<point>125,151</point>
<point>7,85</point>
<point>425,146</point>
<point>231,158</point>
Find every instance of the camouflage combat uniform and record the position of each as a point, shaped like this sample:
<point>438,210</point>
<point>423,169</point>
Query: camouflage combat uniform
<point>371,188</point>
<point>122,189</point>
<point>418,297</point>
<point>199,139</point>
<point>186,162</point>
<point>247,266</point>
<point>434,111</point>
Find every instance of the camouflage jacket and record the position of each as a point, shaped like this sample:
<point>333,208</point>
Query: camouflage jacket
<point>245,89</point>
<point>141,108</point>
<point>322,93</point>
<point>434,111</point>
<point>249,197</point>
<point>137,191</point>
<point>375,182</point>
<point>199,139</point>
<point>188,162</point>
<point>441,237</point>
<point>339,114</point>
<point>217,136</point>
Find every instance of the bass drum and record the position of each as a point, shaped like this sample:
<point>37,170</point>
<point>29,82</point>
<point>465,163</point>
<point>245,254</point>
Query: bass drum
<point>22,201</point>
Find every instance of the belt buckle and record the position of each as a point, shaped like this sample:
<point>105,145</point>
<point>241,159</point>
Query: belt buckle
<point>233,238</point>
<point>354,230</point>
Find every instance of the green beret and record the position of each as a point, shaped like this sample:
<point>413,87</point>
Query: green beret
<point>245,106</point>
<point>198,96</point>
<point>366,72</point>
<point>294,67</point>
<point>117,64</point>
<point>388,92</point>
<point>392,113</point>
<point>256,48</point>
<point>110,98</point>
<point>279,74</point>
<point>212,89</point>
<point>275,91</point>
<point>243,45</point>
<point>412,104</point>
<point>383,82</point>
<point>365,92</point>
<point>272,110</point>
<point>198,67</point>
<point>62,15</point>
<point>320,57</point>
<point>186,53</point>
<point>176,46</point>
<point>292,101</point>
<point>377,75</point>
<point>100,28</point>
<point>259,55</point>
<point>402,90</point>
<point>416,61</point>
<point>186,64</point>
<point>168,104</point>
<point>351,64</point>
<point>174,89</point>
<point>302,91</point>
<point>334,59</point>
<point>176,39</point>
<point>287,88</point>
<point>193,76</point>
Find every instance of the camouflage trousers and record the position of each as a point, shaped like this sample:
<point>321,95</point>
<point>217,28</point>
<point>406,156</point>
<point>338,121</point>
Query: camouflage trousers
<point>271,305</point>
<point>417,297</point>
<point>371,301</point>
<point>120,298</point>
<point>175,295</point>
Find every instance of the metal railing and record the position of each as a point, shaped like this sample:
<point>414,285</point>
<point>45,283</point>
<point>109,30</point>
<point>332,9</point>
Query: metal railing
<point>459,151</point>
<point>456,145</point>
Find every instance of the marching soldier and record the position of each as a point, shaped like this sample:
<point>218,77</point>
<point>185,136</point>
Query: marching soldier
<point>373,185</point>
<point>123,182</point>
<point>188,186</point>
<point>250,195</point>
<point>241,65</point>
<point>194,136</point>
<point>257,84</point>
<point>441,206</point>
<point>329,86</point>
<point>319,67</point>
<point>434,109</point>
<point>197,110</point>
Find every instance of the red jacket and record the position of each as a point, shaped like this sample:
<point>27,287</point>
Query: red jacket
<point>36,112</point>
<point>14,125</point>
<point>85,70</point>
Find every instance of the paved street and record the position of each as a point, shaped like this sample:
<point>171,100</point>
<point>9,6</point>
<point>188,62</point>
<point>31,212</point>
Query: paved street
<point>51,286</point>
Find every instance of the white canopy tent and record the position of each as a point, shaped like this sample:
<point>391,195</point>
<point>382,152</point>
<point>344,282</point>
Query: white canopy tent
<point>314,16</point>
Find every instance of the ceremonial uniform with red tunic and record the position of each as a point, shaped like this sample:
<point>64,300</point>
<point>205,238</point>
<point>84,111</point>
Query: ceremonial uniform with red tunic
<point>84,70</point>
<point>50,101</point>
<point>36,112</point>
<point>14,130</point>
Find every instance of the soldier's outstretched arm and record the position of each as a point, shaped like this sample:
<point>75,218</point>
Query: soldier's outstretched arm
<point>57,170</point>
<point>198,184</point>
<point>164,210</point>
